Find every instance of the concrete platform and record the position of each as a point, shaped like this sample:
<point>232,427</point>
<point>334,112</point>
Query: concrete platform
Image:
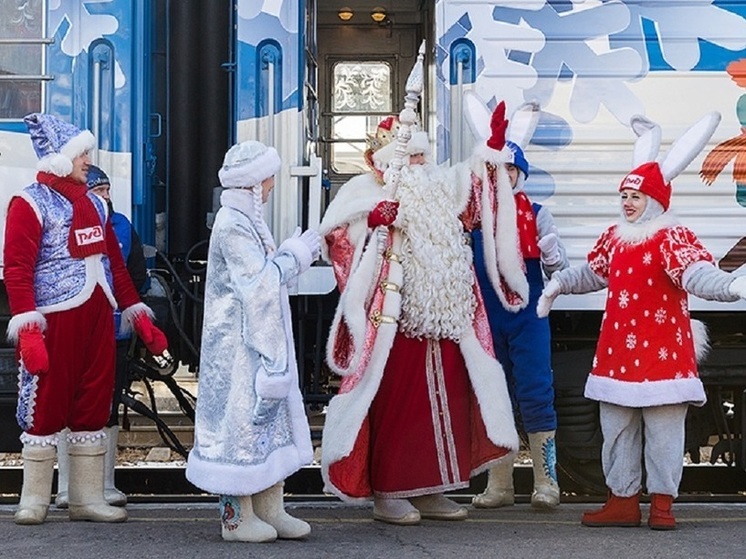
<point>348,531</point>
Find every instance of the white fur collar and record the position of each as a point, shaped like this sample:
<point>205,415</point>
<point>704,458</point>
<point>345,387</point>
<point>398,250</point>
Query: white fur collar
<point>354,200</point>
<point>634,233</point>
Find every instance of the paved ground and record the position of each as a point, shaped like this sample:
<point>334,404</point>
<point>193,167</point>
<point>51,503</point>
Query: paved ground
<point>342,531</point>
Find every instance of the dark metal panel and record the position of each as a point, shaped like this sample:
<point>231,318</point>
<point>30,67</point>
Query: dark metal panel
<point>200,114</point>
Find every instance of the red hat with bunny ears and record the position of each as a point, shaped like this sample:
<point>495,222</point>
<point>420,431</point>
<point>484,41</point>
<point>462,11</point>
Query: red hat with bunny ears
<point>648,179</point>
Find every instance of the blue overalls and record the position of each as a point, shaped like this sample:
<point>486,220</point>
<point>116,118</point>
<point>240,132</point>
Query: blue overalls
<point>522,344</point>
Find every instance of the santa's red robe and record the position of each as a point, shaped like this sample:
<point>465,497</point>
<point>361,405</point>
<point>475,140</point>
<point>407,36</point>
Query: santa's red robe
<point>387,384</point>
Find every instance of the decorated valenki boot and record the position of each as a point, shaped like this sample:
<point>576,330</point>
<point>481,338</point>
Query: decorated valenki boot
<point>112,495</point>
<point>438,507</point>
<point>38,471</point>
<point>546,494</point>
<point>499,491</point>
<point>63,471</point>
<point>238,523</point>
<point>86,482</point>
<point>269,507</point>
<point>661,517</point>
<point>617,511</point>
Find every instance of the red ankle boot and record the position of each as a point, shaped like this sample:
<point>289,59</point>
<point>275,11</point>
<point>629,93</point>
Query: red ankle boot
<point>617,511</point>
<point>661,517</point>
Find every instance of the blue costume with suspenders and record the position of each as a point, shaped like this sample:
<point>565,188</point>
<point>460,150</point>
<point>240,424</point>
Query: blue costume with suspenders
<point>522,343</point>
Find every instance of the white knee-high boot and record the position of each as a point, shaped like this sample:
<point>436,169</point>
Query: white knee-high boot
<point>499,491</point>
<point>112,495</point>
<point>546,494</point>
<point>240,524</point>
<point>38,471</point>
<point>86,484</point>
<point>63,470</point>
<point>269,506</point>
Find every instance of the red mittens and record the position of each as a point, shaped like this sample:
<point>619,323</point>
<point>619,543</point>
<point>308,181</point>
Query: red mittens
<point>152,337</point>
<point>383,214</point>
<point>33,351</point>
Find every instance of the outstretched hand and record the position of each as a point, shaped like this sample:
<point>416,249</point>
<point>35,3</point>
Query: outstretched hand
<point>550,293</point>
<point>549,247</point>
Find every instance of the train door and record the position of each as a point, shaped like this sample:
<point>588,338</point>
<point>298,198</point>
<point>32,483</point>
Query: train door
<point>365,54</point>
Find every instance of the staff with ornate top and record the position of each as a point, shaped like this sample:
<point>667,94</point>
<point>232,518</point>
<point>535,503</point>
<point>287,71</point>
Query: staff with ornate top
<point>422,404</point>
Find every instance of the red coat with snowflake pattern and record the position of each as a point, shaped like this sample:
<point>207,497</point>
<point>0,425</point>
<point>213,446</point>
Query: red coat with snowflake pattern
<point>645,354</point>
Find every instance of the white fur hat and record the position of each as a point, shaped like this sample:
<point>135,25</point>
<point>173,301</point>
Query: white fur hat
<point>419,143</point>
<point>248,164</point>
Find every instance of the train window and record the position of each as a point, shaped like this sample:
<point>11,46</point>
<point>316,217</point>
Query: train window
<point>21,57</point>
<point>361,96</point>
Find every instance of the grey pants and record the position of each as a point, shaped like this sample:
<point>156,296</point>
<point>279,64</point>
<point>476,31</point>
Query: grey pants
<point>622,452</point>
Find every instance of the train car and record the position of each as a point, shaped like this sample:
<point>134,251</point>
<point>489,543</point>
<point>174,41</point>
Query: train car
<point>168,86</point>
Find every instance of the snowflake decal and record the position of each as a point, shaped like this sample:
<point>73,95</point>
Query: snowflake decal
<point>624,298</point>
<point>631,341</point>
<point>663,354</point>
<point>647,258</point>
<point>679,337</point>
<point>660,316</point>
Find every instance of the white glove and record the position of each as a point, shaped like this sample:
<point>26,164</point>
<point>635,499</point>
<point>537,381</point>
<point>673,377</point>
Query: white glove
<point>550,293</point>
<point>312,240</point>
<point>738,287</point>
<point>305,247</point>
<point>549,247</point>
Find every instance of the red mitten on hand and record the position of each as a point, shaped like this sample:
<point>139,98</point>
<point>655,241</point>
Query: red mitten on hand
<point>152,337</point>
<point>383,214</point>
<point>33,351</point>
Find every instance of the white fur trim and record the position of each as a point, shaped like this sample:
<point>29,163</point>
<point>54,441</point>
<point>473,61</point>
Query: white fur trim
<point>701,340</point>
<point>645,394</point>
<point>419,143</point>
<point>250,173</point>
<point>634,233</point>
<point>488,382</point>
<point>55,163</point>
<point>130,313</point>
<point>31,202</point>
<point>483,153</point>
<point>23,320</point>
<point>355,199</point>
<point>61,164</point>
<point>275,386</point>
<point>501,253</point>
<point>383,156</point>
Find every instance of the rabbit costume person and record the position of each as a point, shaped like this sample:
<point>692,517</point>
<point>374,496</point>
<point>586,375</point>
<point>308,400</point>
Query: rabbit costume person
<point>645,369</point>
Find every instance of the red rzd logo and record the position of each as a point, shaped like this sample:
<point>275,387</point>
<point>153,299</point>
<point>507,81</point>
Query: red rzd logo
<point>89,235</point>
<point>632,181</point>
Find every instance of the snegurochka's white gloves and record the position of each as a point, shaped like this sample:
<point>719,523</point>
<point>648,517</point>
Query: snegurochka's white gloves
<point>306,247</point>
<point>549,247</point>
<point>551,291</point>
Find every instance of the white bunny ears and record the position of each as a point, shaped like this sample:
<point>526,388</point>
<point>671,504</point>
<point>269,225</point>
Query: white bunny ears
<point>521,126</point>
<point>682,152</point>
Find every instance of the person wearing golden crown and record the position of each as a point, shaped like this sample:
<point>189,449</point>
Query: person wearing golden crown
<point>423,404</point>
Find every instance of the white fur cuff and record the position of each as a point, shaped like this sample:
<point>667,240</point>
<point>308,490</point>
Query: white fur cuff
<point>24,320</point>
<point>273,387</point>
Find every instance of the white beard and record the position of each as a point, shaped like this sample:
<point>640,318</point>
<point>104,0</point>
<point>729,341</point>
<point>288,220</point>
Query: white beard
<point>437,293</point>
